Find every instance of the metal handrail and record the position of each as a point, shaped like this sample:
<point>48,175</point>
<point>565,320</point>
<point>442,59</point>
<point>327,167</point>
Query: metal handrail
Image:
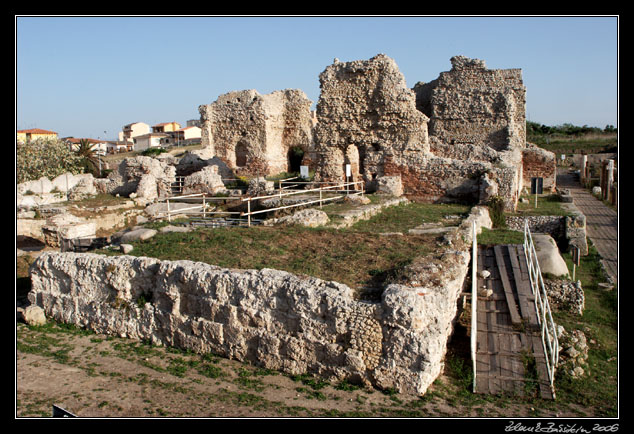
<point>544,314</point>
<point>474,303</point>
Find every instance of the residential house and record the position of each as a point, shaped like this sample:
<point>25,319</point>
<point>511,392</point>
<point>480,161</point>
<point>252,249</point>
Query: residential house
<point>186,136</point>
<point>34,134</point>
<point>150,140</point>
<point>133,130</point>
<point>120,146</point>
<point>165,127</point>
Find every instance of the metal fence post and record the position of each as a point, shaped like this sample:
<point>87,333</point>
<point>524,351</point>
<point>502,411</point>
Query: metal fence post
<point>249,212</point>
<point>474,303</point>
<point>320,197</point>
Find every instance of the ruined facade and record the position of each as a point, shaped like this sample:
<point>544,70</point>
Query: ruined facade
<point>457,138</point>
<point>474,105</point>
<point>365,114</point>
<point>256,134</point>
<point>460,137</point>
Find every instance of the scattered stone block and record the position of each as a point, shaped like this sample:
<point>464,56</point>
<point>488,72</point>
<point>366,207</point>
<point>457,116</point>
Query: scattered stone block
<point>137,235</point>
<point>390,185</point>
<point>34,315</point>
<point>548,256</point>
<point>307,217</point>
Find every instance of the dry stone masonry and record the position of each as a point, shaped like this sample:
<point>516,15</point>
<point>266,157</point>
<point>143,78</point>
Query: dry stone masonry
<point>272,318</point>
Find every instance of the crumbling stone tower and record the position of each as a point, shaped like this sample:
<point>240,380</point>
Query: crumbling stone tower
<point>256,134</point>
<point>365,112</point>
<point>474,105</point>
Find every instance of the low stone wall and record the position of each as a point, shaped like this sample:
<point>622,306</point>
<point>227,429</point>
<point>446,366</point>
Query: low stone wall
<point>552,225</point>
<point>572,227</point>
<point>271,318</point>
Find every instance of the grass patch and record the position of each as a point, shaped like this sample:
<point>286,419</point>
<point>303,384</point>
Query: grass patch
<point>599,386</point>
<point>500,236</point>
<point>402,217</point>
<point>356,259</point>
<point>547,204</point>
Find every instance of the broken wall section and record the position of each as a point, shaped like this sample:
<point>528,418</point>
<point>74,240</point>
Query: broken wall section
<point>254,134</point>
<point>278,320</point>
<point>471,104</point>
<point>368,118</point>
<point>365,112</point>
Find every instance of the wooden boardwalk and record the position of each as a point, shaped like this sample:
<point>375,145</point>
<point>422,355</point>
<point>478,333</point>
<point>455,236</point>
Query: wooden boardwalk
<point>509,351</point>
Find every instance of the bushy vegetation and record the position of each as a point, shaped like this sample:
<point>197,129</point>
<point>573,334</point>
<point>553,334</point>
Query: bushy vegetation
<point>152,152</point>
<point>45,157</point>
<point>568,138</point>
<point>536,129</point>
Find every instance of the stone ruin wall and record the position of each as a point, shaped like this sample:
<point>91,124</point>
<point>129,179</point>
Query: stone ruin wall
<point>538,162</point>
<point>252,133</point>
<point>271,318</point>
<point>365,112</point>
<point>474,105</point>
<point>476,119</point>
<point>452,139</point>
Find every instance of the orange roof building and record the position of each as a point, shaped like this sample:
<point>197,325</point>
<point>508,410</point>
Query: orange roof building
<point>35,133</point>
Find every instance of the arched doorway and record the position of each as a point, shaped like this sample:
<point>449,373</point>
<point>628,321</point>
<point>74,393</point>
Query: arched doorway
<point>295,158</point>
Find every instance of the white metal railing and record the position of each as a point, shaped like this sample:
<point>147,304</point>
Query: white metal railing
<point>340,190</point>
<point>474,303</point>
<point>544,314</point>
<point>198,209</point>
<point>285,193</point>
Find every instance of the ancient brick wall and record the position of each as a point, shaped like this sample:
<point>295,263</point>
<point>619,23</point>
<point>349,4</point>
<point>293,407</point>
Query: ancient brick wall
<point>538,162</point>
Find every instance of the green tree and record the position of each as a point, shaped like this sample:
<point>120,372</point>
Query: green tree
<point>88,157</point>
<point>44,157</point>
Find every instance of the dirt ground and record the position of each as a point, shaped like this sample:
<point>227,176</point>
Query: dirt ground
<point>97,376</point>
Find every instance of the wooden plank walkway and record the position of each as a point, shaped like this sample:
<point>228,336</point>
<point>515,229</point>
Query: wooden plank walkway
<point>509,355</point>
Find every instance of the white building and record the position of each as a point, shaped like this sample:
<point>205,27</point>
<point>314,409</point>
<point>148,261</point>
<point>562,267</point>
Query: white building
<point>133,130</point>
<point>150,140</point>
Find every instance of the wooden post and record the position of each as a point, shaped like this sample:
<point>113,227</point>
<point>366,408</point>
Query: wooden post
<point>204,207</point>
<point>610,179</point>
<point>169,217</point>
<point>320,197</point>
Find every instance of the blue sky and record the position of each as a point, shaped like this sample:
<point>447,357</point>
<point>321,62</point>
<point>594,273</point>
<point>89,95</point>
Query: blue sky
<point>88,76</point>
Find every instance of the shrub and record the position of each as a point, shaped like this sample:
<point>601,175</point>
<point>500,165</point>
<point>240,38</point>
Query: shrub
<point>150,152</point>
<point>45,157</point>
<point>496,211</point>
